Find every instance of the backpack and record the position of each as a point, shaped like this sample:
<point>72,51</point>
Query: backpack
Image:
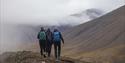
<point>56,36</point>
<point>42,35</point>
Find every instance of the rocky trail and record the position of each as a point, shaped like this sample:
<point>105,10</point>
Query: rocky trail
<point>32,57</point>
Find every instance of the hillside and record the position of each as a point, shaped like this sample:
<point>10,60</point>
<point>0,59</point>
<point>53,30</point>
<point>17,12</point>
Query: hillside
<point>101,38</point>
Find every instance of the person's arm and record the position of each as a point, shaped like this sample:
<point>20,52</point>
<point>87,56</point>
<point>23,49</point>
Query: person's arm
<point>61,38</point>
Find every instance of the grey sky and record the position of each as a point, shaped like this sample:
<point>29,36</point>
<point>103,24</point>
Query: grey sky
<point>48,11</point>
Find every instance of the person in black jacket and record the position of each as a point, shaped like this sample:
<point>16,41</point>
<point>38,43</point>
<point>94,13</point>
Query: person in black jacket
<point>57,38</point>
<point>49,42</point>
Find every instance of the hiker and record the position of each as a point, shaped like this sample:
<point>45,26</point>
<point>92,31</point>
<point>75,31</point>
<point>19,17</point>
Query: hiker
<point>42,42</point>
<point>57,38</point>
<point>49,42</point>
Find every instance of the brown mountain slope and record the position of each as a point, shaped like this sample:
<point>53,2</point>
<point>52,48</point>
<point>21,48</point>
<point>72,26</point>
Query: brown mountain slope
<point>103,37</point>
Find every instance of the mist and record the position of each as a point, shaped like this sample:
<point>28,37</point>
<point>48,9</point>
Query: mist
<point>48,12</point>
<point>20,19</point>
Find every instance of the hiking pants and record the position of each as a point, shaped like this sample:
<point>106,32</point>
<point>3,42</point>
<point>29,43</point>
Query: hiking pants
<point>48,47</point>
<point>57,47</point>
<point>42,44</point>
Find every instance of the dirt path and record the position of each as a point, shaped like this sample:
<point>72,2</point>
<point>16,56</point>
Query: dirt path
<point>31,57</point>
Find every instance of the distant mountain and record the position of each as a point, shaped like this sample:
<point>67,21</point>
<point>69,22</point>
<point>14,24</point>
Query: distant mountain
<point>13,36</point>
<point>94,13</point>
<point>101,40</point>
<point>82,17</point>
<point>91,13</point>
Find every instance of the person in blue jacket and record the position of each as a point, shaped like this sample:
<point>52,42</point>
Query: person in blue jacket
<point>57,39</point>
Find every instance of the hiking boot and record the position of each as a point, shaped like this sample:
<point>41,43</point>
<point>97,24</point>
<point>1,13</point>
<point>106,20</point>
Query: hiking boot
<point>44,56</point>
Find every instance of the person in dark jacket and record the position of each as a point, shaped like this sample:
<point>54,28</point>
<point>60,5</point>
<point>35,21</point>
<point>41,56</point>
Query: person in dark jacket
<point>42,41</point>
<point>57,38</point>
<point>49,42</point>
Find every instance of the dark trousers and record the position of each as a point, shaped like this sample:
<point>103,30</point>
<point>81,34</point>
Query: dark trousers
<point>57,47</point>
<point>42,44</point>
<point>48,47</point>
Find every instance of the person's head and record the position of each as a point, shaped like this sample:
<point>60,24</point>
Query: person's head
<point>42,29</point>
<point>48,30</point>
<point>55,30</point>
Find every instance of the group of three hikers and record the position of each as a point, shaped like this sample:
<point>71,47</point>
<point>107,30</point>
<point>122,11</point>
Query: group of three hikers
<point>47,39</point>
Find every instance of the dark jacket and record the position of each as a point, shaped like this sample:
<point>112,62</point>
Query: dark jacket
<point>49,36</point>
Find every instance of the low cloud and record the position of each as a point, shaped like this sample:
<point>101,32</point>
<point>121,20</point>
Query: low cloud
<point>49,11</point>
